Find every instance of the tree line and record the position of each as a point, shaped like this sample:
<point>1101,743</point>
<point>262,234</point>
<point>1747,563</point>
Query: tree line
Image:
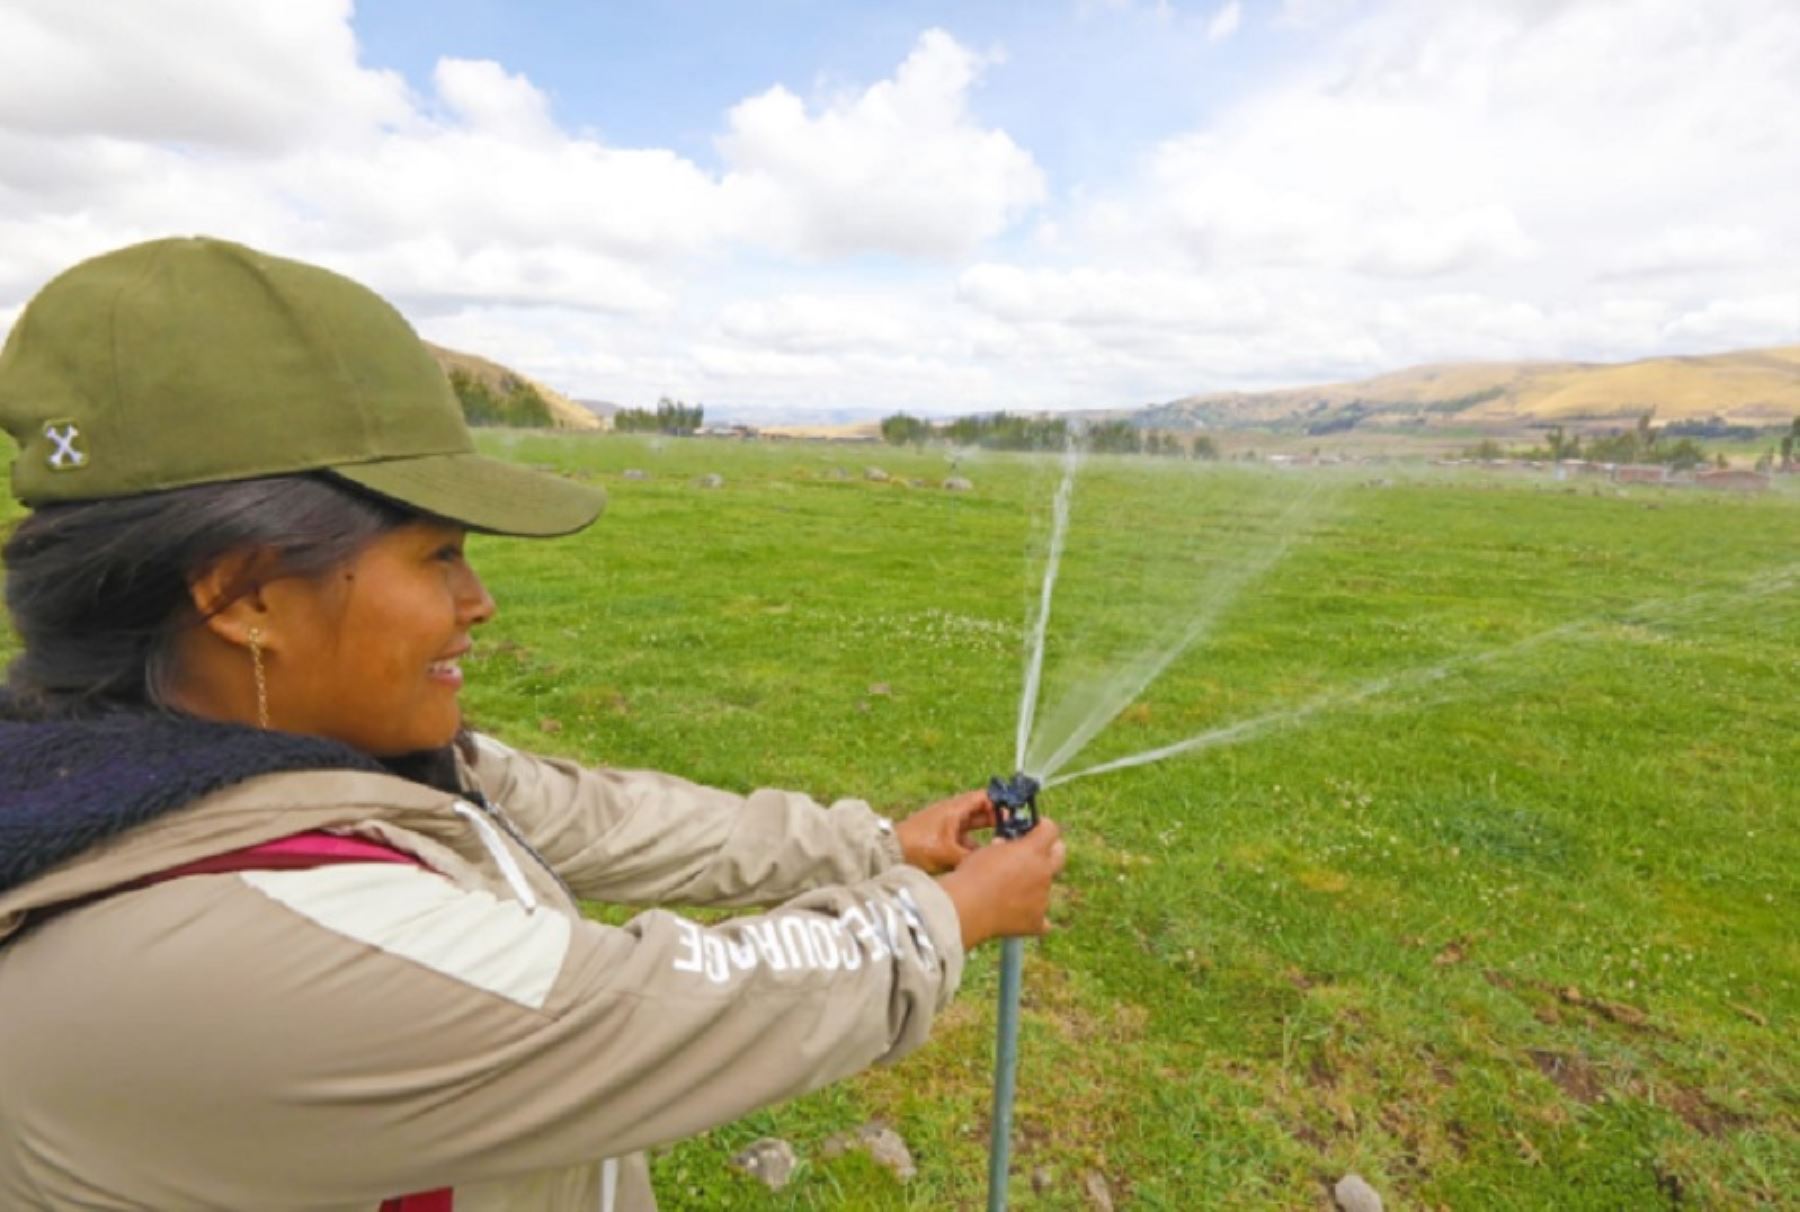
<point>1640,444</point>
<point>669,416</point>
<point>1009,431</point>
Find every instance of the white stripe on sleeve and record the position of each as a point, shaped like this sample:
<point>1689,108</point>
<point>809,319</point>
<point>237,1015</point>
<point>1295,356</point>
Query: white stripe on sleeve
<point>473,937</point>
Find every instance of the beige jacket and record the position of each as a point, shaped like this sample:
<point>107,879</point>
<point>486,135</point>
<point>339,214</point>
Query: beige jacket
<point>324,1039</point>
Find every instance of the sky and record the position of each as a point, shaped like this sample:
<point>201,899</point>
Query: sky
<point>809,210</point>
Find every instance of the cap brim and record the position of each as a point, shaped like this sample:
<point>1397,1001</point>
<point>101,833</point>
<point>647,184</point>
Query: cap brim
<point>481,493</point>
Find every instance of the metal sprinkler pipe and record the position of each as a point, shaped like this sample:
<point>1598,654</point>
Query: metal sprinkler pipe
<point>1015,815</point>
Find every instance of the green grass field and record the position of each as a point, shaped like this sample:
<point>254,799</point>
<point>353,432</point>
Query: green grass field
<point>1521,935</point>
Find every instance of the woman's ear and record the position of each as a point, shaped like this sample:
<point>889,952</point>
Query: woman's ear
<point>228,597</point>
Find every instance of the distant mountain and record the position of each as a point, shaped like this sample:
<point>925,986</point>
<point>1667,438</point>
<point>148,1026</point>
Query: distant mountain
<point>1748,387</point>
<point>566,412</point>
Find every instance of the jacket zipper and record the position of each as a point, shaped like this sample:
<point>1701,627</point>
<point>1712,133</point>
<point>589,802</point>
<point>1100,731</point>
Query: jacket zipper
<point>500,818</point>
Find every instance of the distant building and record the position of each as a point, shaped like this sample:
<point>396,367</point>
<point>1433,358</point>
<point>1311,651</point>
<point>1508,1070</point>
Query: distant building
<point>1641,473</point>
<point>1732,479</point>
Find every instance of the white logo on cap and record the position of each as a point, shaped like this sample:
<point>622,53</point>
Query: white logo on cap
<point>66,456</point>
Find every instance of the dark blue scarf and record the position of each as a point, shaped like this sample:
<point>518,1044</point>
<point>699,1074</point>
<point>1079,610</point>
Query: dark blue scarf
<point>68,784</point>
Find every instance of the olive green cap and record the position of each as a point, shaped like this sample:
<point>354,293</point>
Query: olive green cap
<point>194,360</point>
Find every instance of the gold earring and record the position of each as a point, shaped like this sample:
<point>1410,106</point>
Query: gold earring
<point>262,683</point>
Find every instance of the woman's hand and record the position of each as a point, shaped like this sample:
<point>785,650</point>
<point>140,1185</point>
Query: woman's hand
<point>1003,888</point>
<point>936,839</point>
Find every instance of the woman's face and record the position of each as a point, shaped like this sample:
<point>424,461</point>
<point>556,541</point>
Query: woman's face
<point>370,654</point>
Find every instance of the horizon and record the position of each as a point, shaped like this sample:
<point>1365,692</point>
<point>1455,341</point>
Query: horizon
<point>944,209</point>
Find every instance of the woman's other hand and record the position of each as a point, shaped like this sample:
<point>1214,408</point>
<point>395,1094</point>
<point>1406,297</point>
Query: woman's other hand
<point>1003,888</point>
<point>937,839</point>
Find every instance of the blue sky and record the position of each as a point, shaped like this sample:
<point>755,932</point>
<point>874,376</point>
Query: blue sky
<point>1083,86</point>
<point>830,210</point>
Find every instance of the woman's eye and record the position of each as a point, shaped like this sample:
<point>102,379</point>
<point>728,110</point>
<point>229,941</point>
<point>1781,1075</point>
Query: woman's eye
<point>449,553</point>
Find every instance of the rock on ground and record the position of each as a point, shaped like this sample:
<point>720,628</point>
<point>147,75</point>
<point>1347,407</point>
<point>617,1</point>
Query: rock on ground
<point>715,480</point>
<point>770,1159</point>
<point>636,473</point>
<point>957,484</point>
<point>887,1149</point>
<point>1099,1194</point>
<point>875,474</point>
<point>884,1146</point>
<point>1354,1194</point>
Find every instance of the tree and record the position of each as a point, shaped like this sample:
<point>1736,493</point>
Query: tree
<point>671,417</point>
<point>1204,448</point>
<point>1114,437</point>
<point>1005,431</point>
<point>522,405</point>
<point>1684,455</point>
<point>1561,445</point>
<point>902,430</point>
<point>1788,442</point>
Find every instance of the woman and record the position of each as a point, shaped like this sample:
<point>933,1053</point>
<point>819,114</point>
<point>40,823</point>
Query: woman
<point>275,931</point>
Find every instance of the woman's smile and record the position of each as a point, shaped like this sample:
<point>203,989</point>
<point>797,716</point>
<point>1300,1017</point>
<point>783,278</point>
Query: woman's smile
<point>373,655</point>
<point>449,670</point>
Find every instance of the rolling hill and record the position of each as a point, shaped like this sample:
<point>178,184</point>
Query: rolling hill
<point>566,413</point>
<point>1747,387</point>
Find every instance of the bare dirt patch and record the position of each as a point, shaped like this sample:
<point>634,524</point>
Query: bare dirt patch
<point>1572,1072</point>
<point>1702,1114</point>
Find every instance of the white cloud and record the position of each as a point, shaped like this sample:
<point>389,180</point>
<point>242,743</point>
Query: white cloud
<point>1679,250</point>
<point>219,73</point>
<point>489,99</point>
<point>1116,299</point>
<point>1225,21</point>
<point>900,168</point>
<point>1757,320</point>
<point>273,133</point>
<point>1456,179</point>
<point>1419,180</point>
<point>813,323</point>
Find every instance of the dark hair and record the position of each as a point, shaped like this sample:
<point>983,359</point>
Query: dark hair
<point>98,590</point>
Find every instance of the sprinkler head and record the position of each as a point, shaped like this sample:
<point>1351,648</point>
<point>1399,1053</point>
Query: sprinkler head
<point>1015,804</point>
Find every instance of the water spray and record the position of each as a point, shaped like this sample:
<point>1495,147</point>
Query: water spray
<point>1014,799</point>
<point>1015,815</point>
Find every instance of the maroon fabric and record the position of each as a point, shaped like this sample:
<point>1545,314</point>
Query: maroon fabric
<point>442,1200</point>
<point>293,853</point>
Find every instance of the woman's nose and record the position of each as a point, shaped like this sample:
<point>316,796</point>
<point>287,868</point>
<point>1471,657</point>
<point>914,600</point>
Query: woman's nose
<point>476,603</point>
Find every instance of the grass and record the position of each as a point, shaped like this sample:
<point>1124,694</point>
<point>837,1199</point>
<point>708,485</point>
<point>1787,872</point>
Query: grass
<point>1519,936</point>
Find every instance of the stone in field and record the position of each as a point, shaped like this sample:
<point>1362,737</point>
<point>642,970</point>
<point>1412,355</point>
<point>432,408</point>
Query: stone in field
<point>1354,1194</point>
<point>770,1159</point>
<point>837,473</point>
<point>636,473</point>
<point>1099,1194</point>
<point>887,1149</point>
<point>713,480</point>
<point>958,484</point>
<point>884,1146</point>
<point>876,474</point>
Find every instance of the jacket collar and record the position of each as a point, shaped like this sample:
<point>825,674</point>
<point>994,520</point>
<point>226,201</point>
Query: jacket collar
<point>67,785</point>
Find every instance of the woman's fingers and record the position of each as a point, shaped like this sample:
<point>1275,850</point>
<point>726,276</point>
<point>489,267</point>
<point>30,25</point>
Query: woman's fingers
<point>1004,888</point>
<point>939,837</point>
